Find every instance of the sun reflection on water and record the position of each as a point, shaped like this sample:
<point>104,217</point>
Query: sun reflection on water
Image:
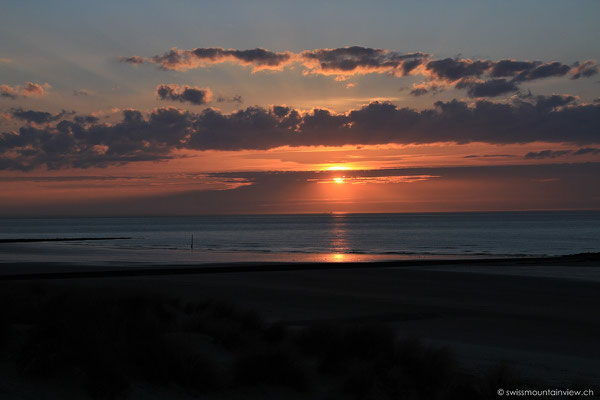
<point>339,238</point>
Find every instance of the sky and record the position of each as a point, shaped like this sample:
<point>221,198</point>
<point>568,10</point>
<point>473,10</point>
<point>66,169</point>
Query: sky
<point>197,107</point>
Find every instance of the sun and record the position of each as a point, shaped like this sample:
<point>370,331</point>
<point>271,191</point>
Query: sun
<point>338,180</point>
<point>338,168</point>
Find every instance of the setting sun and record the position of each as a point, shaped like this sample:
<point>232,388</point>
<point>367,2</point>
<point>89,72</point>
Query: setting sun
<point>337,168</point>
<point>338,180</point>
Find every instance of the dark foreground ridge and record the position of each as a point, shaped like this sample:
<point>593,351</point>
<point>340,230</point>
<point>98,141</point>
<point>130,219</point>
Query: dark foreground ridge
<point>73,271</point>
<point>109,344</point>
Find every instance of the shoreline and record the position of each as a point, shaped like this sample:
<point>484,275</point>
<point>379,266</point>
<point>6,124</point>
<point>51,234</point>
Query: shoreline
<point>62,270</point>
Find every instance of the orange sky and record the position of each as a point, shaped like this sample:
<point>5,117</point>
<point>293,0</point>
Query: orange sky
<point>345,183</point>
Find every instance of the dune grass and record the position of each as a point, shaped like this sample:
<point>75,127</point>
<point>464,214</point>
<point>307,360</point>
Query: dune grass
<point>112,341</point>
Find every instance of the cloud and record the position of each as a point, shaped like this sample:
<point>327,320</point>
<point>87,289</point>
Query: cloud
<point>86,119</point>
<point>29,90</point>
<point>158,135</point>
<point>81,92</point>
<point>133,60</point>
<point>9,91</point>
<point>546,154</point>
<point>420,89</point>
<point>233,99</point>
<point>182,60</point>
<point>34,90</point>
<point>491,88</point>
<point>587,150</point>
<point>553,101</point>
<point>485,78</point>
<point>560,153</point>
<point>507,68</point>
<point>490,156</point>
<point>585,69</point>
<point>452,70</point>
<point>358,60</point>
<point>38,117</point>
<point>548,70</point>
<point>184,93</point>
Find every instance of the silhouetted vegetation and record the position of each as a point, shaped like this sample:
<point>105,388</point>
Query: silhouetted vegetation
<point>110,342</point>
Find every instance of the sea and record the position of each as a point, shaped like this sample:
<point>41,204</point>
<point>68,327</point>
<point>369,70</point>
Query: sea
<point>298,238</point>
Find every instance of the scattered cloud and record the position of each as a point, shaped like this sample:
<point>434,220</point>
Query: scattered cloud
<point>585,69</point>
<point>547,154</point>
<point>133,60</point>
<point>356,60</point>
<point>481,78</point>
<point>587,150</point>
<point>81,92</point>
<point>233,99</point>
<point>560,153</point>
<point>259,59</point>
<point>490,156</point>
<point>9,91</point>
<point>38,117</point>
<point>29,90</point>
<point>184,93</point>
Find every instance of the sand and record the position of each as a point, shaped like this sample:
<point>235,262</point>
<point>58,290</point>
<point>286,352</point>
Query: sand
<point>548,328</point>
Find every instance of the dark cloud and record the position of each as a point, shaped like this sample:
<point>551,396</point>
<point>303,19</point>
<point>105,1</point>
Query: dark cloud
<point>546,154</point>
<point>585,69</point>
<point>505,68</point>
<point>452,70</point>
<point>491,88</point>
<point>419,91</point>
<point>541,71</point>
<point>86,119</point>
<point>157,136</point>
<point>491,156</point>
<point>474,75</point>
<point>233,99</point>
<point>38,117</point>
<point>553,101</point>
<point>360,60</point>
<point>181,60</point>
<point>560,153</point>
<point>134,60</point>
<point>587,150</point>
<point>184,93</point>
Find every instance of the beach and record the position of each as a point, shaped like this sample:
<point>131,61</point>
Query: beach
<point>544,327</point>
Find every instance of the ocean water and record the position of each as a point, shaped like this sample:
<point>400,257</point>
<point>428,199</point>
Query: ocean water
<point>325,237</point>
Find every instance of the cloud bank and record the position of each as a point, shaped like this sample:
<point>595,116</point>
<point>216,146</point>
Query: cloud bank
<point>81,143</point>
